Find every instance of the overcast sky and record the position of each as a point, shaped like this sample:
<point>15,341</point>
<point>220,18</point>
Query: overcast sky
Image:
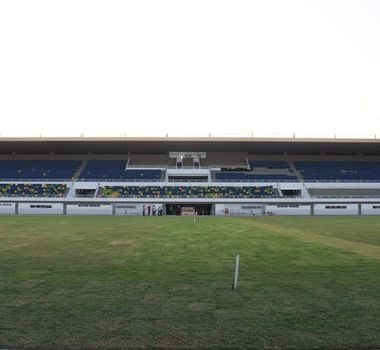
<point>190,68</point>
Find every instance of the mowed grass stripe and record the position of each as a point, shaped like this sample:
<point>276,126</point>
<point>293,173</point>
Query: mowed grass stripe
<point>108,282</point>
<point>307,235</point>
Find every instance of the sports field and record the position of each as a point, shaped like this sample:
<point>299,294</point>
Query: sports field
<point>165,282</point>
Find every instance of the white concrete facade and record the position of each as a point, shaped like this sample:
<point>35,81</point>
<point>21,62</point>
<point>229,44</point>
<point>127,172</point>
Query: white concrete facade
<point>89,209</point>
<point>39,208</point>
<point>7,208</point>
<point>336,209</point>
<point>288,209</point>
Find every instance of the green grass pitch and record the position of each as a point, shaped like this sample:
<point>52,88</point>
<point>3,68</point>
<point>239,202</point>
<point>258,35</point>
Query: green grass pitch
<point>165,283</point>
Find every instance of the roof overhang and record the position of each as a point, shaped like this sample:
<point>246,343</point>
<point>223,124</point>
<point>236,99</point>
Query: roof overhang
<point>124,145</point>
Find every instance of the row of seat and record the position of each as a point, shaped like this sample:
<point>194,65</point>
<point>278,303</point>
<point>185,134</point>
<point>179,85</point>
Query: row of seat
<point>236,176</point>
<point>186,191</point>
<point>260,170</point>
<point>339,170</point>
<point>38,169</point>
<point>32,190</point>
<point>117,170</point>
<point>268,164</point>
<point>66,169</point>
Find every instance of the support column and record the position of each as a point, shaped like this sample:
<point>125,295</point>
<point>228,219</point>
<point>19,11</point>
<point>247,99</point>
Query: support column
<point>113,208</point>
<point>64,209</point>
<point>263,210</point>
<point>312,209</point>
<point>360,209</point>
<point>16,208</point>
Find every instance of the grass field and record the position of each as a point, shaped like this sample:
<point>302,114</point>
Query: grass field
<point>163,282</point>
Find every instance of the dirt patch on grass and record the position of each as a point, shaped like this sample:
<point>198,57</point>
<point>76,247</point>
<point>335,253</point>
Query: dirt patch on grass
<point>181,287</point>
<point>199,306</point>
<point>154,298</point>
<point>122,242</point>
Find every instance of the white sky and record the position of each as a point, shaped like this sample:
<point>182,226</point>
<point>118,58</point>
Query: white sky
<point>190,68</point>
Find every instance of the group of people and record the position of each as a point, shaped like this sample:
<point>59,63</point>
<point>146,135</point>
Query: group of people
<point>153,210</point>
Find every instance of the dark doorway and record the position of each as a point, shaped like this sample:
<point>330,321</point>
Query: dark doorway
<point>179,208</point>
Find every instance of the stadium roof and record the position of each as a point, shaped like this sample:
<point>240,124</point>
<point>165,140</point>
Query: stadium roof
<point>123,145</point>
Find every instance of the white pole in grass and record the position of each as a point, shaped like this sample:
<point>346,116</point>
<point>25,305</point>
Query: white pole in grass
<point>236,275</point>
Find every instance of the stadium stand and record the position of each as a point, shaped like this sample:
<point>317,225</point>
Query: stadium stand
<point>282,177</point>
<point>150,160</point>
<point>186,191</point>
<point>339,170</point>
<point>143,175</point>
<point>32,190</point>
<point>345,192</point>
<point>225,176</point>
<point>259,170</point>
<point>38,169</point>
<point>104,169</point>
<point>116,170</point>
<point>227,159</point>
<point>268,164</point>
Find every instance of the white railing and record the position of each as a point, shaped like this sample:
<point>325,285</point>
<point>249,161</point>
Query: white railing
<point>29,180</point>
<point>12,195</point>
<point>190,197</point>
<point>119,180</point>
<point>347,197</point>
<point>343,181</point>
<point>150,166</point>
<point>35,180</point>
<point>188,180</point>
<point>256,180</point>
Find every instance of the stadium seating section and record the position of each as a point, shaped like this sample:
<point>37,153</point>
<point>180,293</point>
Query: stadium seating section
<point>186,191</point>
<point>116,170</point>
<point>260,170</point>
<point>38,169</point>
<point>143,175</point>
<point>268,164</point>
<point>236,176</point>
<point>32,190</point>
<point>345,192</point>
<point>339,170</point>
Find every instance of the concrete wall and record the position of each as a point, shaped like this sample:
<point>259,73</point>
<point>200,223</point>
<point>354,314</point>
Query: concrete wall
<point>7,208</point>
<point>345,209</point>
<point>370,209</point>
<point>238,209</point>
<point>89,209</point>
<point>128,209</point>
<point>219,209</point>
<point>40,208</point>
<point>136,209</point>
<point>287,209</point>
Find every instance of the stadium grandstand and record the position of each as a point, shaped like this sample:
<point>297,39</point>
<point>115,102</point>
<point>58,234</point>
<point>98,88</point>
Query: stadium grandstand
<point>207,176</point>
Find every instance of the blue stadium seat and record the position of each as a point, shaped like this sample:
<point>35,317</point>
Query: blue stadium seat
<point>339,170</point>
<point>32,190</point>
<point>186,191</point>
<point>235,176</point>
<point>268,164</point>
<point>38,169</point>
<point>116,170</point>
